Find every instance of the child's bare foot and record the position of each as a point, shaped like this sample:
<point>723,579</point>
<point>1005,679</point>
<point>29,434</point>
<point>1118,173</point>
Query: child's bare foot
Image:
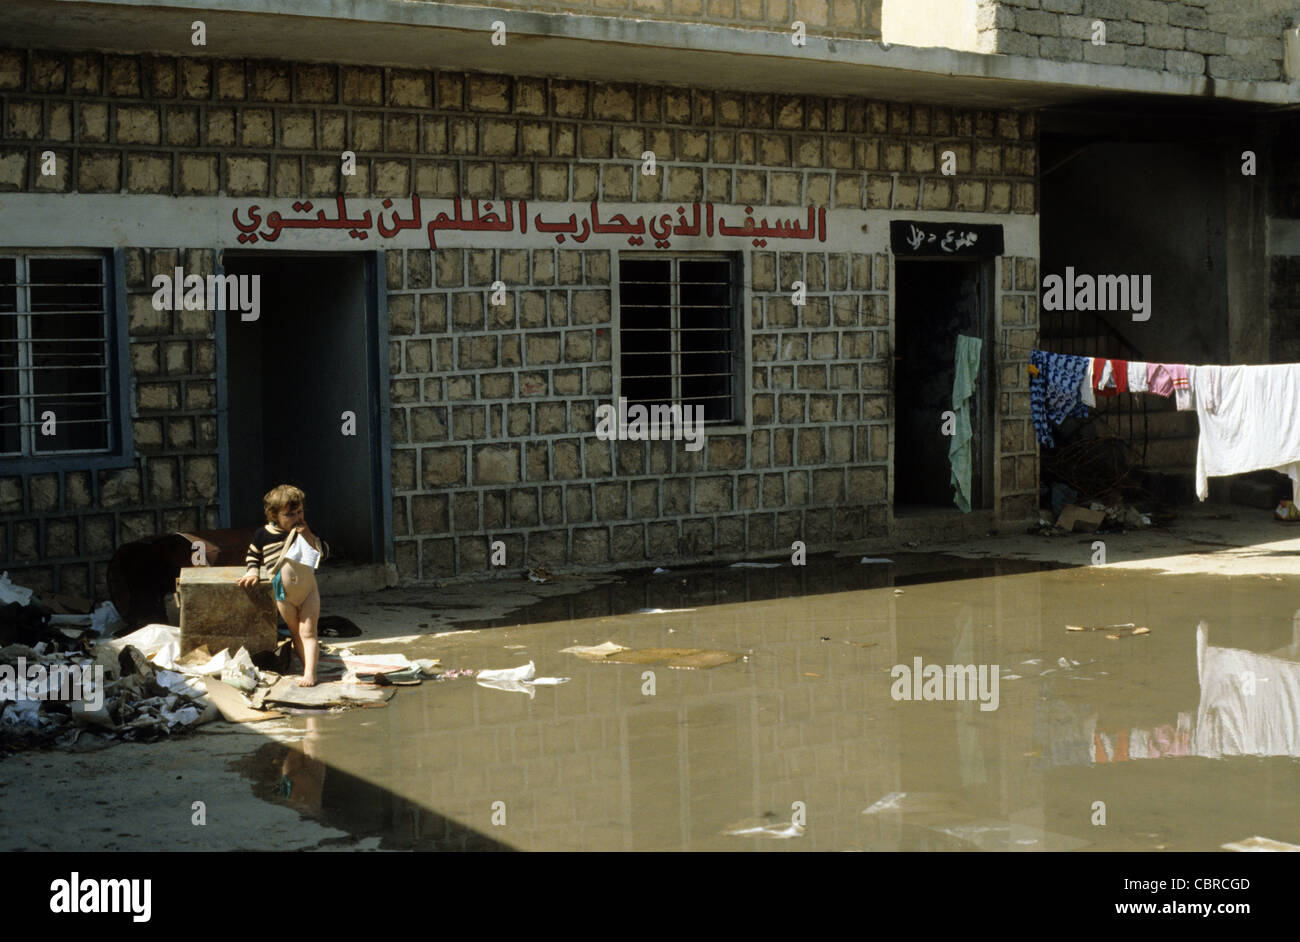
<point>307,682</point>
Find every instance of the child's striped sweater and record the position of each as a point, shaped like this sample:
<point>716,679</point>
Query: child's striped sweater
<point>267,546</point>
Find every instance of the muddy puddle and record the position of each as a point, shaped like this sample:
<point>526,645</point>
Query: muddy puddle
<point>1182,738</point>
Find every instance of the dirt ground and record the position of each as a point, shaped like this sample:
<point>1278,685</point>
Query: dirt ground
<point>141,796</point>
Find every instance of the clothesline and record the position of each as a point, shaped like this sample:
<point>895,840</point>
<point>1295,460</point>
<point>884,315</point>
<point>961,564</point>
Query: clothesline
<point>1248,416</point>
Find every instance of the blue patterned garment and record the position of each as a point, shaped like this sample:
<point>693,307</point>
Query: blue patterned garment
<point>1054,392</point>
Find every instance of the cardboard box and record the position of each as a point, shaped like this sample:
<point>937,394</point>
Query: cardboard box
<point>1080,519</point>
<point>222,614</point>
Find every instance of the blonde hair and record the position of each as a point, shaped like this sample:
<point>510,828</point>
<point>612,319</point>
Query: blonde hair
<point>284,497</point>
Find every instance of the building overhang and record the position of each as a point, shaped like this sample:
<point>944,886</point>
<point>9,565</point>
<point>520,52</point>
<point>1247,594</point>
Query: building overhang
<point>426,35</point>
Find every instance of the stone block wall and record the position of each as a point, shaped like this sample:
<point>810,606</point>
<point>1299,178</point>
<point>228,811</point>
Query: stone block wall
<point>842,19</point>
<point>1017,334</point>
<point>1221,39</point>
<point>493,407</point>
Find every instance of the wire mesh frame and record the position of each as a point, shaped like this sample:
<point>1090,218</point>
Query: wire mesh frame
<point>734,330</point>
<point>26,369</point>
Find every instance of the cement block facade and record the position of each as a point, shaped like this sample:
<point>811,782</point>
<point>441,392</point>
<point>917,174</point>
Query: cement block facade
<point>841,19</point>
<point>492,407</point>
<point>1221,39</point>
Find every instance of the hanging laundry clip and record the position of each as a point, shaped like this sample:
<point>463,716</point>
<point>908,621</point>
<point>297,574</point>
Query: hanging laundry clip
<point>1033,370</point>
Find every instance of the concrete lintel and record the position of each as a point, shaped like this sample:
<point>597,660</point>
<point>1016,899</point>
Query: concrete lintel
<point>406,33</point>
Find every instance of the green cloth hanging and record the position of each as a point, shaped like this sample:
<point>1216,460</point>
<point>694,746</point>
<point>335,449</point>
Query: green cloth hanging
<point>965,374</point>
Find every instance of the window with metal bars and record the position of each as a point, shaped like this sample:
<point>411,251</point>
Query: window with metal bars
<point>680,333</point>
<point>56,358</point>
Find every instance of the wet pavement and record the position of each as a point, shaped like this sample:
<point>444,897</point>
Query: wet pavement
<point>1180,739</point>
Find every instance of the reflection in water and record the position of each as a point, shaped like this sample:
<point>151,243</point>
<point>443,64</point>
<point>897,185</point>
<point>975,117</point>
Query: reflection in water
<point>796,741</point>
<point>1250,703</point>
<point>1249,706</point>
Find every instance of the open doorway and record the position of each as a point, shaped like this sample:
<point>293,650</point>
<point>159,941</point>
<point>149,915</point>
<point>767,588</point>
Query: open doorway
<point>292,377</point>
<point>936,300</point>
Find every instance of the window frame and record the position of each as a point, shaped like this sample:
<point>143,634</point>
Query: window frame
<point>121,452</point>
<point>740,351</point>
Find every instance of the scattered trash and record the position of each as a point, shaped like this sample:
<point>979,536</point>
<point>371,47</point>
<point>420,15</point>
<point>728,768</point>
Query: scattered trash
<point>1126,630</point>
<point>1129,634</point>
<point>596,652</point>
<point>871,559</point>
<point>1080,519</point>
<point>898,591</point>
<point>517,679</point>
<point>336,626</point>
<point>240,673</point>
<point>105,620</point>
<point>676,658</point>
<point>660,570</point>
<point>538,574</point>
<point>776,829</point>
<point>325,695</point>
<point>755,565</point>
<point>13,593</point>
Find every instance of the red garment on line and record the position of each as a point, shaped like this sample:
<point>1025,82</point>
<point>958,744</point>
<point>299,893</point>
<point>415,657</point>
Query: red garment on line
<point>1118,371</point>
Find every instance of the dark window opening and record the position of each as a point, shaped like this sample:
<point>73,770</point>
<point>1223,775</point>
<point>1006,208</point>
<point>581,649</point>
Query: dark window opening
<point>679,333</point>
<point>56,387</point>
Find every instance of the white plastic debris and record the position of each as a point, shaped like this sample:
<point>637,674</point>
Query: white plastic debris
<point>873,559</point>
<point>891,802</point>
<point>148,640</point>
<point>105,619</point>
<point>240,672</point>
<point>660,570</point>
<point>517,679</point>
<point>13,593</point>
<point>769,830</point>
<point>23,713</point>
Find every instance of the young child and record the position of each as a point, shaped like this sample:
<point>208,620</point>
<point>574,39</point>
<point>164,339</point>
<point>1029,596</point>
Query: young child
<point>293,584</point>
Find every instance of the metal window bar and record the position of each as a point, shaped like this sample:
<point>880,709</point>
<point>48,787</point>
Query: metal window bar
<point>28,354</point>
<point>675,353</point>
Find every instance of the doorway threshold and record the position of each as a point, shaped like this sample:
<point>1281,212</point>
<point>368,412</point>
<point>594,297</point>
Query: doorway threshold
<point>921,523</point>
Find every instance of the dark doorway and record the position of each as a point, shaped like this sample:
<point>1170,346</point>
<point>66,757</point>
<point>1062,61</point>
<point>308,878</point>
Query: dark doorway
<point>935,301</point>
<point>290,377</point>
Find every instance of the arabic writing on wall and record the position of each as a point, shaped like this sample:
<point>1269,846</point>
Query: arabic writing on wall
<point>660,227</point>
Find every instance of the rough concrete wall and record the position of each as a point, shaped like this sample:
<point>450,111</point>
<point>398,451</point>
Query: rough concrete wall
<point>1222,39</point>
<point>842,19</point>
<point>493,429</point>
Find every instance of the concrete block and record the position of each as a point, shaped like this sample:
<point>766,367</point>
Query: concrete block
<point>217,612</point>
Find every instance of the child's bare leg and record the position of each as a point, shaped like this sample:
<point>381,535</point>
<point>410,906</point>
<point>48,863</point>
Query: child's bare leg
<point>291,617</point>
<point>309,612</point>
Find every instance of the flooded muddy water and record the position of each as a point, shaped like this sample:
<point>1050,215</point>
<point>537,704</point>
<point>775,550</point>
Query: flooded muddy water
<point>1184,738</point>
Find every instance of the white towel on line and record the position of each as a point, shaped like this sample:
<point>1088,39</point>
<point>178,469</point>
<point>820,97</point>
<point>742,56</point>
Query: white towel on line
<point>1249,421</point>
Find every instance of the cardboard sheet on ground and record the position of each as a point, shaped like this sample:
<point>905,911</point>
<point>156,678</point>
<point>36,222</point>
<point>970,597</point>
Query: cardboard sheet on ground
<point>367,663</point>
<point>234,705</point>
<point>327,694</point>
<point>678,658</point>
<point>594,652</point>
